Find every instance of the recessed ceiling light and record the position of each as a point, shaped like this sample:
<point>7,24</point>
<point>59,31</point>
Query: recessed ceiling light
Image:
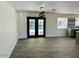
<point>77,11</point>
<point>53,9</point>
<point>41,7</point>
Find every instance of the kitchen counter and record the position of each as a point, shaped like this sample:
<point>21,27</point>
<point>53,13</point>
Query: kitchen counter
<point>73,32</point>
<point>77,38</point>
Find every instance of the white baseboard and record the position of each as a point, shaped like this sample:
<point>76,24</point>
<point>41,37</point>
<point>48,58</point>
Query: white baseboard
<point>55,35</point>
<point>22,36</point>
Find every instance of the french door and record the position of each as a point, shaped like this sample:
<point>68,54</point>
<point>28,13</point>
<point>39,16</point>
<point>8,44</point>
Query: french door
<point>35,27</point>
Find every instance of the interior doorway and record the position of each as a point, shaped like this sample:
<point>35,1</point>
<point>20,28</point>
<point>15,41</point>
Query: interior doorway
<point>36,26</point>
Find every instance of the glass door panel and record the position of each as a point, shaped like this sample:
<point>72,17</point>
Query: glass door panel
<point>40,26</point>
<point>32,27</point>
<point>35,27</point>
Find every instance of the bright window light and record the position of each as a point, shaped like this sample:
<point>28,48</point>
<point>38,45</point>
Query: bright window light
<point>62,23</point>
<point>77,22</point>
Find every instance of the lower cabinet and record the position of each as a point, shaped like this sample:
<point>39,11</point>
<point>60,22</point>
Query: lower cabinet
<point>77,39</point>
<point>73,32</point>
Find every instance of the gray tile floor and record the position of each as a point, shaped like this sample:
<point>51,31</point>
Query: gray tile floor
<point>46,48</point>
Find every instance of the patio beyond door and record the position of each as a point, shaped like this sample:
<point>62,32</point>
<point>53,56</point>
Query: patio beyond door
<point>35,27</point>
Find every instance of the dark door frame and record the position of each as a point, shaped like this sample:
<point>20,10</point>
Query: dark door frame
<point>36,25</point>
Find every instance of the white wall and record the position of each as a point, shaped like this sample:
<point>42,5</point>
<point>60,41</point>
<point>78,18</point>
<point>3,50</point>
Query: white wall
<point>51,24</point>
<point>22,31</point>
<point>8,29</point>
<point>22,23</point>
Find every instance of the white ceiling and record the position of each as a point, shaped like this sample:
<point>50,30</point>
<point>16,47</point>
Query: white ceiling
<point>60,6</point>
